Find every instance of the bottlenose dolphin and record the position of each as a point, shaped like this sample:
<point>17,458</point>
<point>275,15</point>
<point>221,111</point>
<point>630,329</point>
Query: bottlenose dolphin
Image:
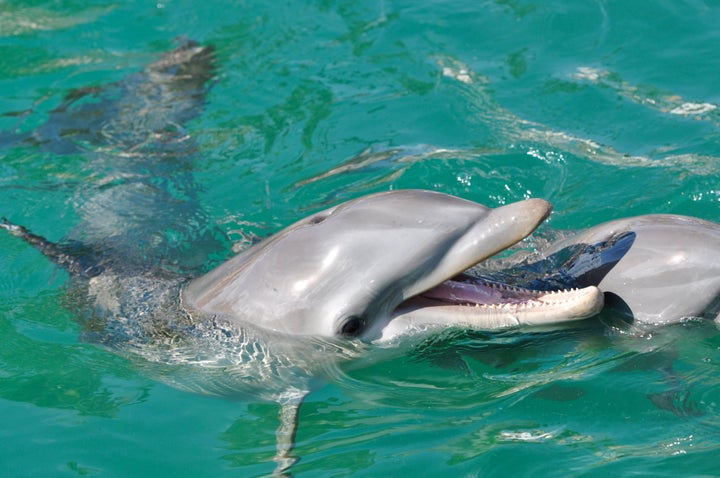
<point>288,310</point>
<point>656,269</point>
<point>280,314</point>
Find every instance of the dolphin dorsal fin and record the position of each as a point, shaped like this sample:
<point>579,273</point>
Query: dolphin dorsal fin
<point>72,256</point>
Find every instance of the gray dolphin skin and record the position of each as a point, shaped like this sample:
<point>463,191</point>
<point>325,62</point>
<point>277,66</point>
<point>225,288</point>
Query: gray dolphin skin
<point>657,269</point>
<point>288,312</point>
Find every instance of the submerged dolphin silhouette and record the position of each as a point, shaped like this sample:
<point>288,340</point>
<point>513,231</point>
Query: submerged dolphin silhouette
<point>288,310</point>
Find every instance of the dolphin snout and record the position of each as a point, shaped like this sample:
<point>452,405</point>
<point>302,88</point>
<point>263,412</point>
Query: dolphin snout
<point>515,221</point>
<point>528,213</point>
<point>537,207</point>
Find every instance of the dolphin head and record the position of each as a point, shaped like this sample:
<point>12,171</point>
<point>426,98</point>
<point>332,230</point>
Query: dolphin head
<point>657,268</point>
<point>376,267</point>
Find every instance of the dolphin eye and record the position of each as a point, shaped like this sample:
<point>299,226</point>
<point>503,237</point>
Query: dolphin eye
<point>352,326</point>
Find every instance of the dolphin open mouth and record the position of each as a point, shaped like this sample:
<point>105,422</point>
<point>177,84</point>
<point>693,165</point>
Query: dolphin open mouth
<point>502,299</point>
<point>448,296</point>
<point>476,303</point>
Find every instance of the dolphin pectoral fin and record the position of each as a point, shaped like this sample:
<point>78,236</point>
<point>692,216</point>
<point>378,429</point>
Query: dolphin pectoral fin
<point>285,435</point>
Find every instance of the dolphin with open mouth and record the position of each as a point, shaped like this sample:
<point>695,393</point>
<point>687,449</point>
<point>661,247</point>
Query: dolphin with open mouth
<point>276,316</point>
<point>288,310</point>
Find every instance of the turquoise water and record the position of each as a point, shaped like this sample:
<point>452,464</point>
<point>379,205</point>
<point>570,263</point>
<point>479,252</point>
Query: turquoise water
<point>607,109</point>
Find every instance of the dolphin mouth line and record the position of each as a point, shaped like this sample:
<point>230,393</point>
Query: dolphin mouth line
<point>482,303</point>
<point>471,291</point>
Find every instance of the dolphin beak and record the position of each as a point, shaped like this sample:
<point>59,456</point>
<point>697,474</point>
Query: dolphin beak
<point>515,221</point>
<point>499,229</point>
<point>463,301</point>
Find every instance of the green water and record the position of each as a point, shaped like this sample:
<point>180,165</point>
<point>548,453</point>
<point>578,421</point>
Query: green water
<point>607,109</point>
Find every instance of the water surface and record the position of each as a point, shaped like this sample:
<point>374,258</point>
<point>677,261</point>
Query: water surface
<point>607,109</point>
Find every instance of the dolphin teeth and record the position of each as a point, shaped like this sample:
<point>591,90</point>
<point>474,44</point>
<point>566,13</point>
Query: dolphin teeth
<point>509,299</point>
<point>484,304</point>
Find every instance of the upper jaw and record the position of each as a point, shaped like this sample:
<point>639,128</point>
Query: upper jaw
<point>466,302</point>
<point>501,228</point>
<point>445,297</point>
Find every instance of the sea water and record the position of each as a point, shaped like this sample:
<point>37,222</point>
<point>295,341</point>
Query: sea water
<point>606,109</point>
